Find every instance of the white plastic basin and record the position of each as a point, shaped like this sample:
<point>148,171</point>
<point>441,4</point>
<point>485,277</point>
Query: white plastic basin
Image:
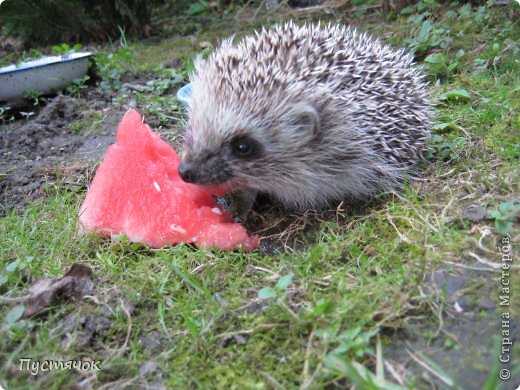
<point>45,75</point>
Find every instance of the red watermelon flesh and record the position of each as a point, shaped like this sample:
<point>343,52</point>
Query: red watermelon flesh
<point>137,192</point>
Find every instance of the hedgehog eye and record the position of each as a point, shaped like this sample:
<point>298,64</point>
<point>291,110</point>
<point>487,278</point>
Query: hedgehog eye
<point>244,147</point>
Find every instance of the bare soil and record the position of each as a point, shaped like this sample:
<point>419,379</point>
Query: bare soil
<point>44,147</point>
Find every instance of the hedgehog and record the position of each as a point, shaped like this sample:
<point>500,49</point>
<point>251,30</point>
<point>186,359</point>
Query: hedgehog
<point>308,114</point>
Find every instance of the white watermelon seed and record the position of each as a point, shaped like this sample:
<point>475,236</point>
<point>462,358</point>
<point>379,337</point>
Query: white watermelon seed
<point>177,229</point>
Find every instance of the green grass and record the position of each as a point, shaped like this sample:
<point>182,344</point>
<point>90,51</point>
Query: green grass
<point>358,277</point>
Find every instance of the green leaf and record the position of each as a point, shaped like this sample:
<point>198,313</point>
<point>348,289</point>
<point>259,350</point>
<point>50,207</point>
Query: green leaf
<point>441,126</point>
<point>136,245</point>
<point>284,282</point>
<point>358,374</point>
<point>505,206</point>
<point>11,267</point>
<point>508,207</point>
<point>459,93</point>
<point>350,334</point>
<point>192,324</point>
<point>453,66</point>
<point>407,11</point>
<point>190,280</point>
<point>504,227</point>
<point>340,365</point>
<point>198,8</point>
<point>267,293</point>
<point>435,58</point>
<point>424,32</point>
<point>437,138</point>
<point>460,53</point>
<point>495,214</point>
<point>14,314</point>
<point>322,306</point>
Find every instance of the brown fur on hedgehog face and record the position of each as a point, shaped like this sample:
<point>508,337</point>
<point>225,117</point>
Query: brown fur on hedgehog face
<point>247,153</point>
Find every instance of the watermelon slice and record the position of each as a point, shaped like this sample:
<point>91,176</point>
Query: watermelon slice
<point>137,192</point>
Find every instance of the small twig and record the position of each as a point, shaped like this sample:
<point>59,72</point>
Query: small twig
<point>120,384</point>
<point>262,269</point>
<point>307,357</point>
<point>445,209</point>
<point>484,232</point>
<point>9,300</point>
<point>315,373</point>
<point>441,322</point>
<point>247,331</point>
<point>262,4</point>
<point>197,268</point>
<point>468,266</point>
<point>129,330</point>
<point>320,283</point>
<point>401,236</point>
<point>391,369</point>
<point>495,266</point>
<point>446,173</point>
<point>445,380</point>
<point>239,12</point>
<point>273,383</point>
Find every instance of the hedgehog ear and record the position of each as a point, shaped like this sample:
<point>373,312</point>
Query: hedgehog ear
<point>304,121</point>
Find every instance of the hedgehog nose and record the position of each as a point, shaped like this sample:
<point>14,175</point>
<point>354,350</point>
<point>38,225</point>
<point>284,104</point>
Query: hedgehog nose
<point>186,172</point>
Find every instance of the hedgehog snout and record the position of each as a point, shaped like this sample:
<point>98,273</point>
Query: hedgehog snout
<point>205,170</point>
<point>186,172</point>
